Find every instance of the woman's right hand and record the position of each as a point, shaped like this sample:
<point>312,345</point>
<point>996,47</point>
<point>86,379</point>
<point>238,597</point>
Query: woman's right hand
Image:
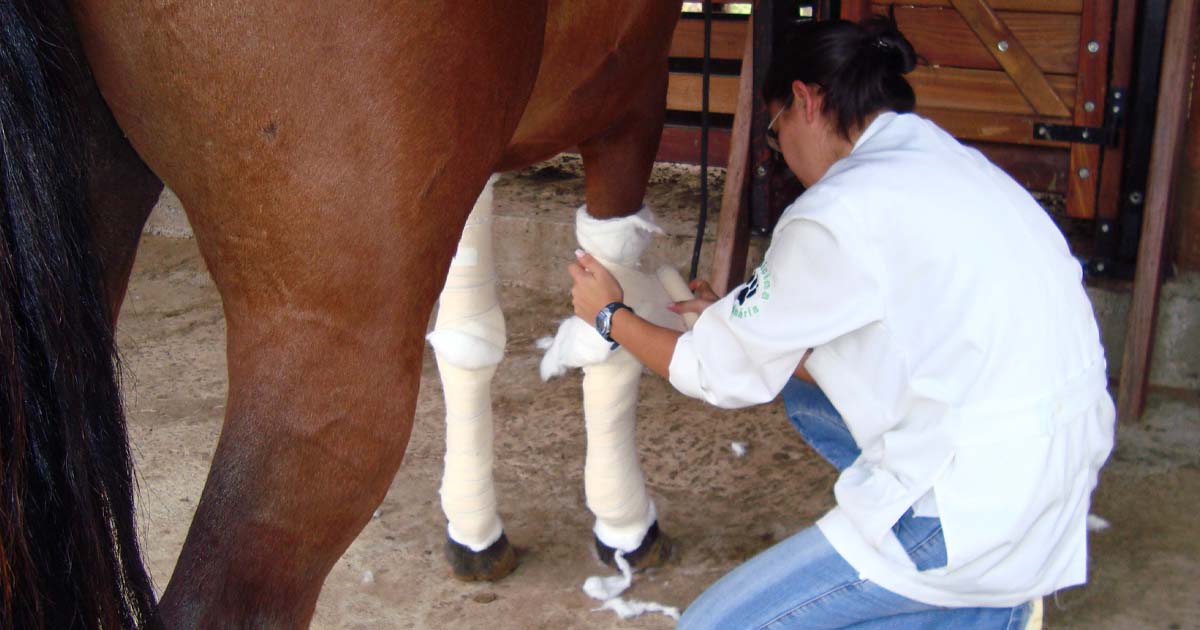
<point>705,296</point>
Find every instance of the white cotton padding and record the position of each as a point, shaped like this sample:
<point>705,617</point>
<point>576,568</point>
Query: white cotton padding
<point>576,344</point>
<point>618,245</point>
<point>677,289</point>
<point>1096,523</point>
<point>612,475</point>
<point>621,240</point>
<point>608,589</point>
<point>604,587</point>
<point>630,608</point>
<point>468,341</point>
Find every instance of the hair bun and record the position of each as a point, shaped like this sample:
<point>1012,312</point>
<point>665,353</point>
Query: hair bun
<point>883,36</point>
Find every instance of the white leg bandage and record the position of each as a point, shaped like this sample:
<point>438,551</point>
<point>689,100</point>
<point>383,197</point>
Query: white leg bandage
<point>613,481</point>
<point>468,340</point>
<point>612,476</point>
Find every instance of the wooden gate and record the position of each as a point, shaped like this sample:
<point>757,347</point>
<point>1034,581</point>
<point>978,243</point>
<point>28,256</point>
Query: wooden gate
<point>1025,80</point>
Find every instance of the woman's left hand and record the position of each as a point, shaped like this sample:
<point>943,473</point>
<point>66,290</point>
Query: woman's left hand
<point>594,286</point>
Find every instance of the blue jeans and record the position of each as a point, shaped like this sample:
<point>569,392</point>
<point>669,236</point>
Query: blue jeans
<point>803,582</point>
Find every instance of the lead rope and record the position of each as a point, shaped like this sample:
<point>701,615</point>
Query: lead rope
<point>704,71</point>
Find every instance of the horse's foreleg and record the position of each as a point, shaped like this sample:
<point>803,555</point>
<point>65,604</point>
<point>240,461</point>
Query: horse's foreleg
<point>626,518</point>
<point>469,340</point>
<point>617,165</point>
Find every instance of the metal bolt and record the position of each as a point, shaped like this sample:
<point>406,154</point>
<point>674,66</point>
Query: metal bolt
<point>761,171</point>
<point>1093,47</point>
<point>1104,227</point>
<point>1043,131</point>
<point>1100,267</point>
<point>1116,109</point>
<point>1117,94</point>
<point>1089,106</point>
<point>1084,134</point>
<point>1084,173</point>
<point>1002,45</point>
<point>1135,197</point>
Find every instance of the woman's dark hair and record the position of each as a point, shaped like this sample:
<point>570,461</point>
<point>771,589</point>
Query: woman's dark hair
<point>859,68</point>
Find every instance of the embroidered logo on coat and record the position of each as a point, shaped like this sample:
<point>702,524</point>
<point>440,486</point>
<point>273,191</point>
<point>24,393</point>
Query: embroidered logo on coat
<point>744,305</point>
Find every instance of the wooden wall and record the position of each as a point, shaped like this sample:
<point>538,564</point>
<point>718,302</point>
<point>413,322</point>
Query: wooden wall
<point>960,84</point>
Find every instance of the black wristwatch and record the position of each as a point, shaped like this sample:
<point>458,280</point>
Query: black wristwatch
<point>604,321</point>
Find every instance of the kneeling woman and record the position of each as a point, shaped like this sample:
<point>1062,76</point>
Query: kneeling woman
<point>930,335</point>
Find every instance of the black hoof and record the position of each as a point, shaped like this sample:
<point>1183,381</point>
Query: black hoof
<point>654,551</point>
<point>489,565</point>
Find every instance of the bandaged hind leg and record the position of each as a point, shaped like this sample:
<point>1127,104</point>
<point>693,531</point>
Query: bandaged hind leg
<point>613,480</point>
<point>468,340</point>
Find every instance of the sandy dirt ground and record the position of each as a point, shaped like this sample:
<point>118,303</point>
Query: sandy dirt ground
<point>721,509</point>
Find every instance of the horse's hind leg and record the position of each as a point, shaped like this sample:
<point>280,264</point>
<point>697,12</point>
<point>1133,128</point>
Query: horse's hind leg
<point>121,191</point>
<point>617,165</point>
<point>325,175</point>
<point>468,341</point>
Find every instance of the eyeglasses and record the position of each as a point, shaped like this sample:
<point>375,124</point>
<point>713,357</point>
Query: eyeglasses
<point>772,135</point>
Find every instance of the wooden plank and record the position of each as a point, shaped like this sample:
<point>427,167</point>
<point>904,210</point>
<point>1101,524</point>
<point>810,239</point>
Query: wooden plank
<point>856,10</point>
<point>1091,83</point>
<point>1033,6</point>
<point>990,126</point>
<point>1108,198</point>
<point>1081,189</point>
<point>733,223</point>
<point>1169,125</point>
<point>1041,169</point>
<point>942,38</point>
<point>980,90</point>
<point>684,92</point>
<point>728,38</point>
<point>1011,53</point>
<point>682,144</point>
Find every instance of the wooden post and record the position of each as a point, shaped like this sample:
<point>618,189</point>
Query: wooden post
<point>733,225</point>
<point>1187,226</point>
<point>1168,132</point>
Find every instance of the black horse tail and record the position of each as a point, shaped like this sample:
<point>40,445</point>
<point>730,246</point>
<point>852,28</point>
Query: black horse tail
<point>69,555</point>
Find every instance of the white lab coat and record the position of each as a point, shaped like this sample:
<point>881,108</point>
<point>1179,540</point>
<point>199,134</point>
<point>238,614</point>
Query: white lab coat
<point>950,328</point>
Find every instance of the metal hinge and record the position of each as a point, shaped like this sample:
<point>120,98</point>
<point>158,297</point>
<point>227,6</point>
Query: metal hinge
<point>1114,115</point>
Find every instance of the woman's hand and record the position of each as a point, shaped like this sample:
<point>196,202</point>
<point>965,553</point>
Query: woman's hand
<point>594,286</point>
<point>705,296</point>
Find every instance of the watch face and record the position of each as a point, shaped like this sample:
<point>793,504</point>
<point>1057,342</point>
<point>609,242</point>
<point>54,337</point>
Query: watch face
<point>604,323</point>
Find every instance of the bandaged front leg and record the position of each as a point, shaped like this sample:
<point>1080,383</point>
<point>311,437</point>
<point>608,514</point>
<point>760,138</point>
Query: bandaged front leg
<point>468,340</point>
<point>612,477</point>
<point>613,480</point>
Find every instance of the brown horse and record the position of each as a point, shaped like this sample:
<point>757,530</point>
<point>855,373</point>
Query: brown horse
<point>328,154</point>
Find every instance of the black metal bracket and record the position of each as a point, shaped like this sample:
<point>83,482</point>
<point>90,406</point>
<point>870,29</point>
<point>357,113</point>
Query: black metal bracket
<point>1072,133</point>
<point>1114,115</point>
